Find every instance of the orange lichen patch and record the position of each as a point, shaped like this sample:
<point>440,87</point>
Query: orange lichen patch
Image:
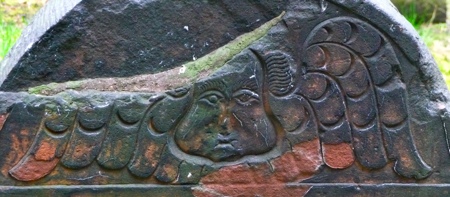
<point>82,149</point>
<point>169,170</point>
<point>45,152</point>
<point>195,144</point>
<point>3,118</point>
<point>19,147</point>
<point>252,190</point>
<point>31,169</point>
<point>338,156</point>
<point>153,153</point>
<point>265,179</point>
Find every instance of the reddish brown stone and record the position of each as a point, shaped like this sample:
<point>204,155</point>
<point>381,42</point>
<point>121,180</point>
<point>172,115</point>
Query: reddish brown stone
<point>81,150</point>
<point>168,170</point>
<point>46,152</point>
<point>31,169</point>
<point>251,190</point>
<point>20,145</point>
<point>263,179</point>
<point>302,163</point>
<point>3,118</point>
<point>338,156</point>
<point>153,152</point>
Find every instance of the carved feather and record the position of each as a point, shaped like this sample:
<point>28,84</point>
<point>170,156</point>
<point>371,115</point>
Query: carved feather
<point>353,60</point>
<point>129,132</point>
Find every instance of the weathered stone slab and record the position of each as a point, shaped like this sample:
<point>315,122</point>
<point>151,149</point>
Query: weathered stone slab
<point>126,38</point>
<point>323,98</point>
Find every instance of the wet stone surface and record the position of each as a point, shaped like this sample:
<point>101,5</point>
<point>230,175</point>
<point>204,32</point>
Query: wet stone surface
<point>288,98</point>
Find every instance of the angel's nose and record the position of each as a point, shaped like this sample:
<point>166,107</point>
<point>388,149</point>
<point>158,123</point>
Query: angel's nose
<point>223,116</point>
<point>224,125</point>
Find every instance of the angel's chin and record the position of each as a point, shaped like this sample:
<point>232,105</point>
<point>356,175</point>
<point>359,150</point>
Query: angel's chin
<point>224,153</point>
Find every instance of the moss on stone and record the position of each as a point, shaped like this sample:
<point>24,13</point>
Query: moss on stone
<point>55,87</point>
<point>42,88</point>
<point>220,56</point>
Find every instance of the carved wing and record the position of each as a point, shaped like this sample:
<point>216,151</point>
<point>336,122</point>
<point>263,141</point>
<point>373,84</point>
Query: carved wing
<point>348,89</point>
<point>129,132</point>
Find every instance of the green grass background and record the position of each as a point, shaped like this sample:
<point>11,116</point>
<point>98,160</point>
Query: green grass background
<point>435,36</point>
<point>15,14</point>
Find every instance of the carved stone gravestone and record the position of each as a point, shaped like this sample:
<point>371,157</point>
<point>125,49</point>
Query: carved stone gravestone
<point>223,98</point>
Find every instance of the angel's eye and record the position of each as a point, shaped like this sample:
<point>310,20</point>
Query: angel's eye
<point>211,97</point>
<point>246,97</point>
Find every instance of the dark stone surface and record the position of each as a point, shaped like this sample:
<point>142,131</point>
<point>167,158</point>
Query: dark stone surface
<point>339,98</point>
<point>117,190</point>
<point>126,38</point>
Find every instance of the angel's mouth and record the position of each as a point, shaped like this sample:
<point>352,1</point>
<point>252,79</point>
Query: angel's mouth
<point>225,143</point>
<point>226,151</point>
<point>227,146</point>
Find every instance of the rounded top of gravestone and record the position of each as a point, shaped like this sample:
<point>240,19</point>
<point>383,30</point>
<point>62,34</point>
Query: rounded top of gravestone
<point>73,40</point>
<point>280,93</point>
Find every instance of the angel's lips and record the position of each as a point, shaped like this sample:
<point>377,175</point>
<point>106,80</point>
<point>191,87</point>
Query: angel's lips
<point>225,143</point>
<point>228,147</point>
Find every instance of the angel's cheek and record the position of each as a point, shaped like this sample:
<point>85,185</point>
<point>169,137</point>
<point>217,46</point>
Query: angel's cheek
<point>195,134</point>
<point>190,145</point>
<point>255,130</point>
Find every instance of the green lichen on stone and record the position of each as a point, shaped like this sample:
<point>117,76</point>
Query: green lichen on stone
<point>45,89</point>
<point>42,88</point>
<point>220,56</point>
<point>74,84</point>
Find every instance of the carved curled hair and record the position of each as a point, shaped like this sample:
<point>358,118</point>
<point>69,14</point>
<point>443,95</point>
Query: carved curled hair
<point>279,73</point>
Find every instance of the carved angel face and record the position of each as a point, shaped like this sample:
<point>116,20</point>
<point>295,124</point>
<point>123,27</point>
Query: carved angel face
<point>227,119</point>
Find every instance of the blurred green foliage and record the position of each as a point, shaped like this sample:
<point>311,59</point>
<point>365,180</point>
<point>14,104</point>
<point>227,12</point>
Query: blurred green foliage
<point>435,36</point>
<point>14,15</point>
<point>9,33</point>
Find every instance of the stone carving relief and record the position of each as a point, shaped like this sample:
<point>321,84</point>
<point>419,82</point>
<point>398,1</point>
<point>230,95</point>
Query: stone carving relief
<point>333,98</point>
<point>345,90</point>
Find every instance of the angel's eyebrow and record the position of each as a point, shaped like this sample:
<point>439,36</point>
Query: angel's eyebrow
<point>212,85</point>
<point>249,84</point>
